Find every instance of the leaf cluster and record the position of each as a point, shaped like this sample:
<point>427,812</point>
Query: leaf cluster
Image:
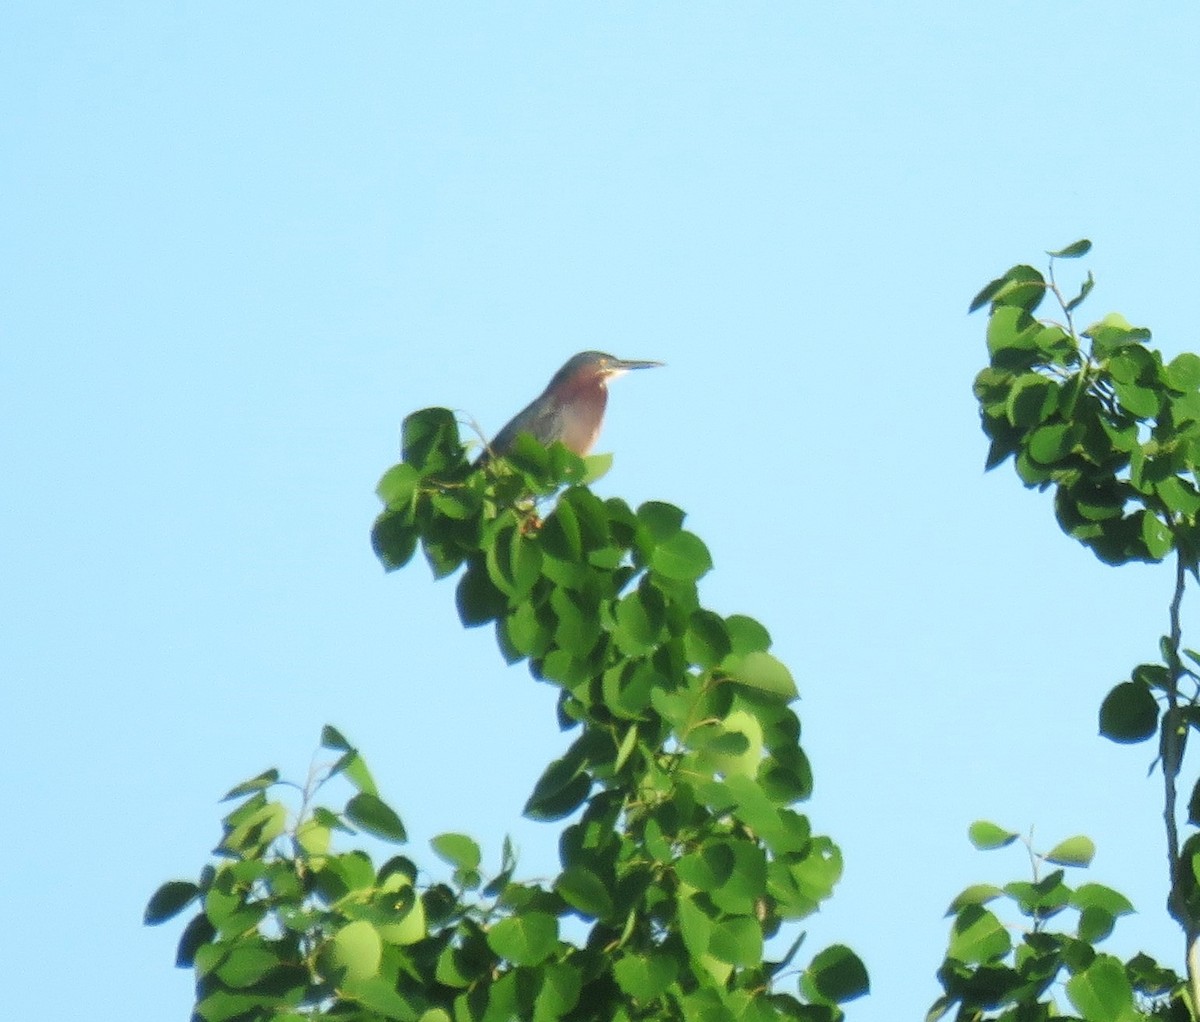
<point>989,973</point>
<point>684,857</point>
<point>1096,414</point>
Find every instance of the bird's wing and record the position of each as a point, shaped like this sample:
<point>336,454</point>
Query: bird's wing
<point>542,418</point>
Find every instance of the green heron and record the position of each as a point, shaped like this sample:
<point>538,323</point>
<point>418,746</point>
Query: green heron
<point>571,408</point>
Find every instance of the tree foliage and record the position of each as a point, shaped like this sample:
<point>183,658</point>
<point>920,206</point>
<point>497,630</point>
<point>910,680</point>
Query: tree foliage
<point>685,862</point>
<point>1113,427</point>
<point>684,855</point>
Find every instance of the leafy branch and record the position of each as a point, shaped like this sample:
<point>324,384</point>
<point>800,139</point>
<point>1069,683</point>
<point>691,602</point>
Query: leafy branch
<point>686,857</point>
<point>1101,417</point>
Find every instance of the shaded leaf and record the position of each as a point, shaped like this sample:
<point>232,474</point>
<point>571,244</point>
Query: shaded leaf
<point>837,975</point>
<point>376,817</point>
<point>585,892</point>
<point>645,977</point>
<point>259,783</point>
<point>169,900</point>
<point>1129,713</point>
<point>332,738</point>
<point>1072,251</point>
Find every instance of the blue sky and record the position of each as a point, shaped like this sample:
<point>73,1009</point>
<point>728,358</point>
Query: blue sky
<point>241,242</point>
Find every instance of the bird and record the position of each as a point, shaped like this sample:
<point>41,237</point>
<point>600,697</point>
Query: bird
<point>571,408</point>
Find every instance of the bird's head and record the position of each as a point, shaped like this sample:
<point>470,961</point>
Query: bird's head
<point>595,367</point>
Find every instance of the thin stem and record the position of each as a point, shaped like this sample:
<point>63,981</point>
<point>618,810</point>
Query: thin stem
<point>1172,754</point>
<point>1062,301</point>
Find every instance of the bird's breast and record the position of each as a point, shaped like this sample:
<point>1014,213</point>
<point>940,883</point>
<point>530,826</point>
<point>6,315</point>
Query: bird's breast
<point>580,419</point>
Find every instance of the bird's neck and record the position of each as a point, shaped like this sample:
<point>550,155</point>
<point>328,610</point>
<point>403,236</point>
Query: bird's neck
<point>590,392</point>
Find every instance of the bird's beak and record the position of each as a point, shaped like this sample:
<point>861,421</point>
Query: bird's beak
<point>617,366</point>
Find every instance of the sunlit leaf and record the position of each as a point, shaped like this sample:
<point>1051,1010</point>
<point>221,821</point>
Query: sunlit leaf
<point>1074,851</point>
<point>457,849</point>
<point>1102,992</point>
<point>526,939</point>
<point>985,835</point>
<point>358,949</point>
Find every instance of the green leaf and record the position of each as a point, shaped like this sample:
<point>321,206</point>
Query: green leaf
<point>1095,924</point>
<point>558,992</point>
<point>585,892</point>
<point>526,939</point>
<point>247,963</point>
<point>169,900</point>
<point>1074,851</point>
<point>1183,372</point>
<point>525,632</point>
<point>195,935</point>
<point>259,783</point>
<point>355,769</point>
<point>398,485</point>
<point>1102,992</point>
<point>596,466</point>
<point>684,557</point>
<point>561,534</point>
<point>1140,402</point>
<point>1031,400</point>
<point>645,977</point>
<point>514,562</point>
<point>986,294</point>
<point>332,738</point>
<point>478,599</point>
<point>661,521</point>
<point>226,1004</point>
<point>761,671</point>
<point>1050,443</point>
<point>379,995</point>
<point>1085,289</point>
<point>985,835</point>
<point>707,641</point>
<point>709,868</point>
<point>561,789</point>
<point>747,635</point>
<point>1098,896</point>
<point>1112,333</point>
<point>640,620</point>
<point>1022,287</point>
<point>430,440</point>
<point>977,936</point>
<point>976,894</point>
<point>458,850</point>
<point>1157,536</point>
<point>837,975</point>
<point>394,538</point>
<point>358,949</point>
<point>737,940</point>
<point>1072,251</point>
<point>1129,713</point>
<point>1179,496</point>
<point>376,817</point>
